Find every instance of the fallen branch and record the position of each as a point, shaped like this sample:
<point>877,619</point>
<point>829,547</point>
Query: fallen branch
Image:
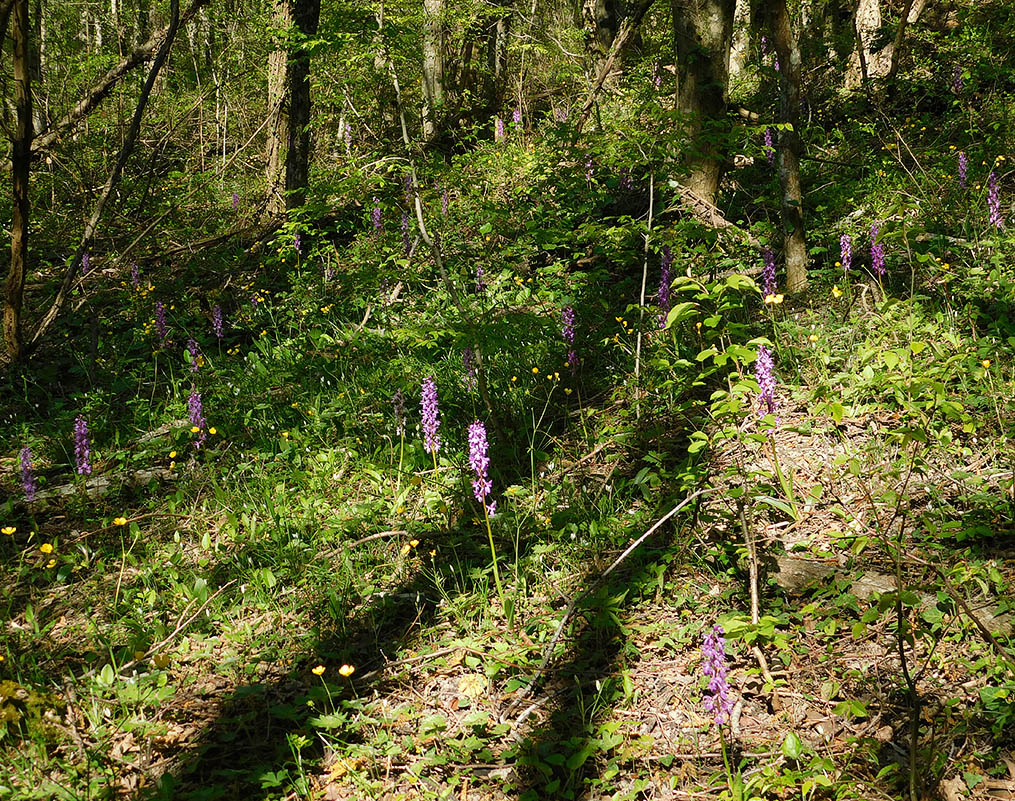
<point>571,607</point>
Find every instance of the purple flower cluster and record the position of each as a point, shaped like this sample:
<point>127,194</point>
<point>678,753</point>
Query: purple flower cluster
<point>160,324</point>
<point>431,417</point>
<point>718,700</point>
<point>469,363</point>
<point>407,189</point>
<point>398,406</point>
<point>764,373</point>
<point>82,447</point>
<point>657,76</point>
<point>588,168</point>
<point>480,283</point>
<point>769,147</point>
<point>195,355</point>
<point>963,168</point>
<point>28,483</point>
<point>567,320</point>
<point>347,135</point>
<point>498,129</point>
<point>445,202</point>
<point>195,411</point>
<point>218,322</point>
<point>135,276</point>
<point>298,243</point>
<point>994,201</point>
<point>768,274</point>
<point>845,252</point>
<point>516,117</point>
<point>480,464</point>
<point>236,202</point>
<point>85,261</point>
<point>375,215</point>
<point>957,83</point>
<point>560,114</point>
<point>406,243</point>
<point>665,263</point>
<point>877,252</point>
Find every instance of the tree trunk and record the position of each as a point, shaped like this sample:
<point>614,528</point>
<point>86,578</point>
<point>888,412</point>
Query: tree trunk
<point>21,161</point>
<point>702,34</point>
<point>495,79</point>
<point>278,109</point>
<point>789,146</point>
<point>865,62</point>
<point>433,66</point>
<point>297,163</point>
<point>741,42</point>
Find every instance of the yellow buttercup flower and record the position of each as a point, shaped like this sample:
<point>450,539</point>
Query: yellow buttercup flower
<point>774,300</point>
<point>51,563</point>
<point>318,671</point>
<point>836,292</point>
<point>46,548</point>
<point>413,543</point>
<point>8,530</point>
<point>812,338</point>
<point>986,363</point>
<point>119,521</point>
<point>172,454</point>
<point>212,431</point>
<point>405,549</point>
<point>535,371</point>
<point>346,670</point>
<point>195,429</point>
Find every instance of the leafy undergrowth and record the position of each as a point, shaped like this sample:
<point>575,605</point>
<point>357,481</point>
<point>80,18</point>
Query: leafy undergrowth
<point>268,587</point>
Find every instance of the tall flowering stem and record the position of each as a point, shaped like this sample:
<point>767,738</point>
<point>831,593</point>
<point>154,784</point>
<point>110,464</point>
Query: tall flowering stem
<point>567,322</point>
<point>431,419</point>
<point>28,482</point>
<point>718,700</point>
<point>479,461</point>
<point>405,234</point>
<point>963,168</point>
<point>375,216</point>
<point>195,355</point>
<point>845,252</point>
<point>160,324</point>
<point>877,252</point>
<point>769,147</point>
<point>469,363</point>
<point>195,411</point>
<point>498,129</point>
<point>768,274</point>
<point>764,373</point>
<point>480,282</point>
<point>135,276</point>
<point>218,323</point>
<point>994,201</point>
<point>665,279</point>
<point>82,447</point>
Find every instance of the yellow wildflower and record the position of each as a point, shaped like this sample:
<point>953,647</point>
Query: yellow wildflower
<point>836,292</point>
<point>346,670</point>
<point>195,429</point>
<point>318,671</point>
<point>172,454</point>
<point>212,431</point>
<point>535,371</point>
<point>986,363</point>
<point>774,300</point>
<point>812,338</point>
<point>119,521</point>
<point>413,543</point>
<point>46,548</point>
<point>8,530</point>
<point>51,564</point>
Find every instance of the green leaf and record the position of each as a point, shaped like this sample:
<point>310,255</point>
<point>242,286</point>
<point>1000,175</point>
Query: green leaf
<point>793,746</point>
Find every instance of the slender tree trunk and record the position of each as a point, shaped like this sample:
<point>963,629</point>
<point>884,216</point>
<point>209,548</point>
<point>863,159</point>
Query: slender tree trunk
<point>702,33</point>
<point>21,162</point>
<point>789,146</point>
<point>495,80</point>
<point>278,109</point>
<point>865,63</point>
<point>433,66</point>
<point>297,163</point>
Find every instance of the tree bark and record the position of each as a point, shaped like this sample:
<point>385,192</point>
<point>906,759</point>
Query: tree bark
<point>297,163</point>
<point>278,108</point>
<point>702,33</point>
<point>433,66</point>
<point>21,161</point>
<point>789,146</point>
